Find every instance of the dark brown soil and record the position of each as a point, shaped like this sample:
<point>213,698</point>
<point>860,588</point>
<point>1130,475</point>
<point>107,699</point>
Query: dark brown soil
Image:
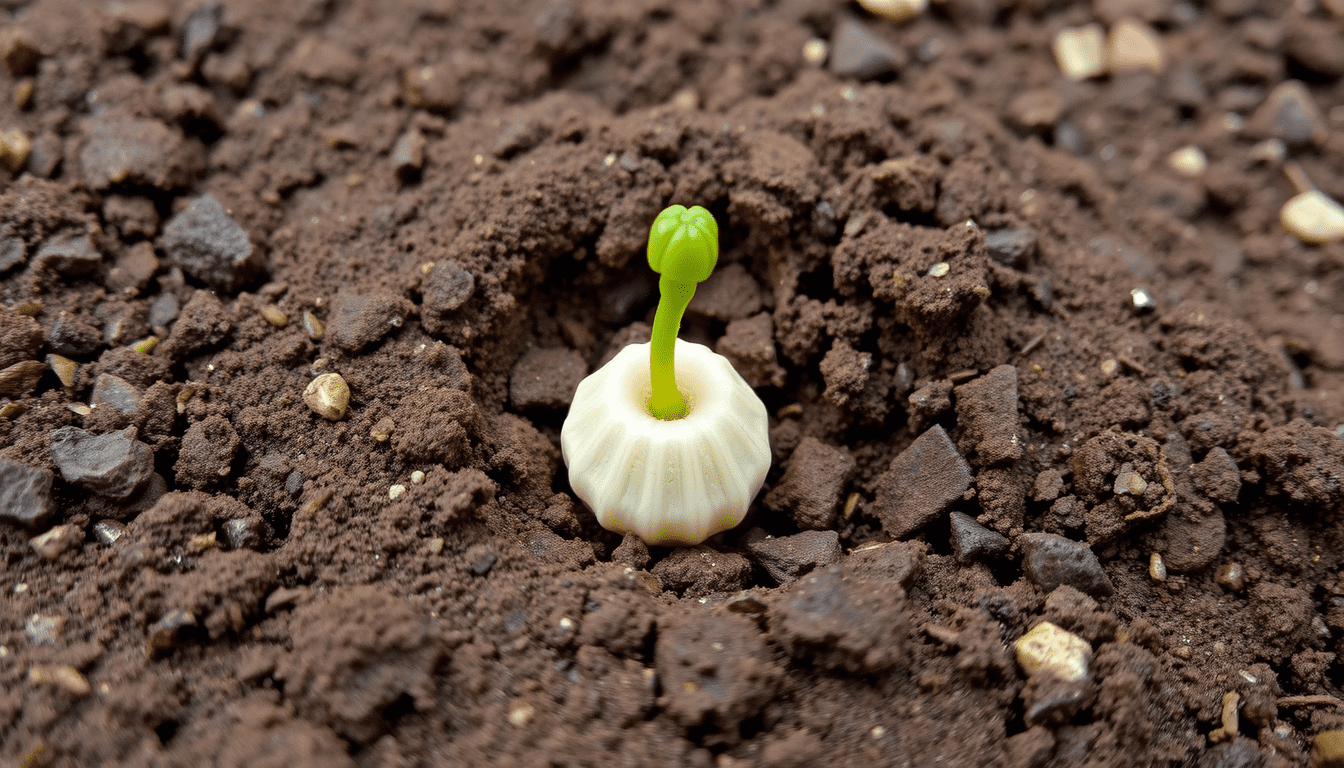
<point>446,203</point>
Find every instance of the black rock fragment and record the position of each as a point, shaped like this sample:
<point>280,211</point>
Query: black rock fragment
<point>115,465</point>
<point>786,558</point>
<point>1050,560</point>
<point>857,51</point>
<point>360,320</point>
<point>1011,247</point>
<point>25,494</point>
<point>810,489</point>
<point>921,483</point>
<point>972,541</point>
<point>209,245</point>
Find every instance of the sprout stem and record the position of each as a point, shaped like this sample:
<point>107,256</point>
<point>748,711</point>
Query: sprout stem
<point>667,402</point>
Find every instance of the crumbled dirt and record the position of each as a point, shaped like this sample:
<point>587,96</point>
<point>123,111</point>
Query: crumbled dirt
<point>1019,366</point>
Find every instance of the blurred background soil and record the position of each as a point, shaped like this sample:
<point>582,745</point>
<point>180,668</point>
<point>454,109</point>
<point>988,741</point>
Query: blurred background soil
<point>1011,279</point>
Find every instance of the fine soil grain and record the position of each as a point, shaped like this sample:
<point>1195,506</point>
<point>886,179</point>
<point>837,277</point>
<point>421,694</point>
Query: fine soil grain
<point>1034,349</point>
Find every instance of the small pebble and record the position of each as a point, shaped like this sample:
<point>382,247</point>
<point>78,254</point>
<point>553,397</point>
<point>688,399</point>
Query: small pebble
<point>241,533</point>
<point>20,54</point>
<point>64,368</point>
<point>167,633</point>
<point>1313,217</point>
<point>940,269</point>
<point>1127,481</point>
<point>1080,51</point>
<point>859,52</point>
<point>1134,45</point>
<point>896,10</point>
<point>328,396</point>
<point>1011,247</point>
<point>521,713</point>
<point>1050,560</point>
<point>972,541</point>
<point>396,491</point>
<point>57,541</point>
<point>115,465</point>
<point>417,477</point>
<point>815,51</point>
<point>382,429</point>
<point>43,630</point>
<point>1054,649</point>
<point>115,392</point>
<point>1142,299</point>
<point>1188,161</point>
<point>15,147</point>
<point>786,558</point>
<point>209,244</point>
<point>921,483</point>
<point>1231,577</point>
<point>65,678</point>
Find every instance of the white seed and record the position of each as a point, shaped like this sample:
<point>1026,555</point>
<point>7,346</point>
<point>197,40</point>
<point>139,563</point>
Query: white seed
<point>1080,51</point>
<point>1051,648</point>
<point>396,491</point>
<point>1314,217</point>
<point>1157,570</point>
<point>1134,45</point>
<point>328,396</point>
<point>66,678</point>
<point>1189,161</point>
<point>417,477</point>
<point>940,269</point>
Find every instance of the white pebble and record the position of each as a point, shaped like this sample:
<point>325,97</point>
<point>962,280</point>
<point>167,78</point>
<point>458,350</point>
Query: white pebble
<point>417,477</point>
<point>395,491</point>
<point>1051,648</point>
<point>1314,217</point>
<point>1081,51</point>
<point>1188,161</point>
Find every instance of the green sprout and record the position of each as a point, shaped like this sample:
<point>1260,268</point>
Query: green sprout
<point>683,249</point>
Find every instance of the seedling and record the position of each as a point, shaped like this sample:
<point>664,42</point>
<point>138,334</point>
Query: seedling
<point>667,441</point>
<point>683,249</point>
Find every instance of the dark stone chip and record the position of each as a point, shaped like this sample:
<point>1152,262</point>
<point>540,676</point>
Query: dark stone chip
<point>25,494</point>
<point>921,483</point>
<point>810,489</point>
<point>1050,560</point>
<point>209,245</point>
<point>973,541</point>
<point>1011,247</point>
<point>857,51</point>
<point>360,320</point>
<point>115,465</point>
